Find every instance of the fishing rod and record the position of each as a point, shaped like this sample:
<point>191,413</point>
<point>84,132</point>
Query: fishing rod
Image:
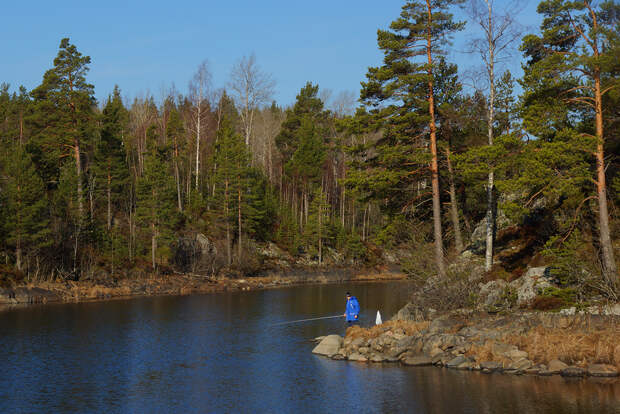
<point>310,319</point>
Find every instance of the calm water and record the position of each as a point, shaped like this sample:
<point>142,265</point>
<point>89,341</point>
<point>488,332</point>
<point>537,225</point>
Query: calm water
<point>221,353</point>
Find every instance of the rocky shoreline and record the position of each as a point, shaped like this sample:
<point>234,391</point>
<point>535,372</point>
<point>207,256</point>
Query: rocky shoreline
<point>534,343</point>
<point>181,284</point>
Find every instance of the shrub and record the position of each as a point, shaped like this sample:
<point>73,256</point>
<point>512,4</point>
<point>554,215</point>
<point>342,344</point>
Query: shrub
<point>354,248</point>
<point>10,276</point>
<point>507,301</point>
<point>574,264</point>
<point>561,297</point>
<point>396,232</point>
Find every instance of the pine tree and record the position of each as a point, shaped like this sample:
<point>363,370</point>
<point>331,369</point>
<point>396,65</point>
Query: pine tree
<point>305,164</point>
<point>287,231</point>
<point>570,68</point>
<point>111,166</point>
<point>25,208</point>
<point>317,229</point>
<point>232,158</point>
<point>505,103</point>
<point>64,118</point>
<point>259,206</point>
<point>307,106</point>
<point>226,110</point>
<point>449,101</point>
<point>155,208</point>
<point>302,143</point>
<point>402,96</point>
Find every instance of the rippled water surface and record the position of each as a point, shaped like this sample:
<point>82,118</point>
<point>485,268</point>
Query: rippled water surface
<point>221,353</point>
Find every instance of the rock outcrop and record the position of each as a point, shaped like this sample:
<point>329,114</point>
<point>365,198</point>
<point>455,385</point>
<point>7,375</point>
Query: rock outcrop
<point>27,295</point>
<point>470,342</point>
<point>530,284</point>
<point>329,346</point>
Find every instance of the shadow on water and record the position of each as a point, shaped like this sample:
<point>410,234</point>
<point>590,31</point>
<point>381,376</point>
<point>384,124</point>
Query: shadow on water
<point>222,353</point>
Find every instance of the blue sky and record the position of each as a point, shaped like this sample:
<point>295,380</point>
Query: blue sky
<point>148,46</point>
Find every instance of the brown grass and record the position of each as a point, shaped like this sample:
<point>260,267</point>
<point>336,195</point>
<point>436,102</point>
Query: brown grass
<point>482,352</point>
<point>380,276</point>
<point>410,328</point>
<point>485,353</point>
<point>571,347</point>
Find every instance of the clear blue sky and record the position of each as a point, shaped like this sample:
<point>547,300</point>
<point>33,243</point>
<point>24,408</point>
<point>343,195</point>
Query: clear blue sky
<point>150,45</point>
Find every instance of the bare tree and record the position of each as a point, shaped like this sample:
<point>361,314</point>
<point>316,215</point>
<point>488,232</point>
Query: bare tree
<point>269,121</point>
<point>141,115</point>
<point>251,88</point>
<point>499,32</point>
<point>325,95</point>
<point>343,104</point>
<point>200,89</point>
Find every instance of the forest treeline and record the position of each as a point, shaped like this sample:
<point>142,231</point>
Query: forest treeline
<point>426,162</point>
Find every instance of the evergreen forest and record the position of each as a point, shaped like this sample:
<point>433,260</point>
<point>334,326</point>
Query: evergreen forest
<point>421,166</point>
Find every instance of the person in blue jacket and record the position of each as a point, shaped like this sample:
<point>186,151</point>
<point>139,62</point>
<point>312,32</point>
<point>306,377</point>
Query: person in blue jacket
<point>352,309</point>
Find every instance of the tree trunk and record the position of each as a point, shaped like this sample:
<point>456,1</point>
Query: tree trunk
<point>131,234</point>
<point>19,228</point>
<point>109,196</point>
<point>368,221</point>
<point>18,254</point>
<point>343,190</point>
<point>320,213</point>
<point>188,186</point>
<point>153,245</point>
<point>364,223</point>
<point>153,234</point>
<point>75,247</point>
<point>306,207</point>
<point>433,144</point>
<point>454,211</point>
<point>342,204</point>
<point>490,221</point>
<point>228,247</point>
<point>269,159</point>
<point>239,249</point>
<point>78,168</point>
<point>610,270</point>
<point>353,215</point>
<point>176,174</point>
<point>300,208</point>
<point>281,176</point>
<point>198,141</point>
<point>490,228</point>
<point>91,196</point>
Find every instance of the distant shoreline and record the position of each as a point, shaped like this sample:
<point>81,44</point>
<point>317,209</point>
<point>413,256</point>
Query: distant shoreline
<point>181,284</point>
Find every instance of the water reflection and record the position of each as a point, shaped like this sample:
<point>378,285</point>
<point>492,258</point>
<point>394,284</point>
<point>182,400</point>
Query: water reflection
<point>221,353</point>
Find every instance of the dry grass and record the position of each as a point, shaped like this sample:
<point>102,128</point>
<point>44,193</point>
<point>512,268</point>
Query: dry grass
<point>409,328</point>
<point>380,276</point>
<point>485,353</point>
<point>571,347</point>
<point>482,352</point>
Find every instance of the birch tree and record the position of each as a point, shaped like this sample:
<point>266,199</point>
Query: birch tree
<point>200,90</point>
<point>499,32</point>
<point>251,88</point>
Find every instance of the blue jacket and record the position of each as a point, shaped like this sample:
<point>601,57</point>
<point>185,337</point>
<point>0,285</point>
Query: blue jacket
<point>353,309</point>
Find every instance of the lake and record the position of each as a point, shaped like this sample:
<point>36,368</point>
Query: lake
<point>222,353</point>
